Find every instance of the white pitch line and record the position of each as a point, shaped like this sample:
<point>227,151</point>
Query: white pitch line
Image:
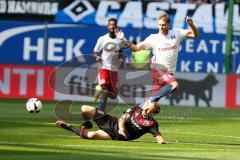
<point>111,146</point>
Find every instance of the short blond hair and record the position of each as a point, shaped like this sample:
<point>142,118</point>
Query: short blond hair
<point>164,17</point>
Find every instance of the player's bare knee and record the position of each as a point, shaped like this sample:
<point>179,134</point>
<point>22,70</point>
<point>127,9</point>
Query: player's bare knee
<point>92,135</point>
<point>174,85</point>
<point>84,108</point>
<point>87,109</point>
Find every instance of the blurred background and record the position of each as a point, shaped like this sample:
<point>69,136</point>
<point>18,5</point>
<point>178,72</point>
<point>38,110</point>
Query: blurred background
<point>45,46</point>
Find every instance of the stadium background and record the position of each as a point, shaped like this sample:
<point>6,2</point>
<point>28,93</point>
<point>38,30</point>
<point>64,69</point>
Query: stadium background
<point>39,41</point>
<point>36,37</point>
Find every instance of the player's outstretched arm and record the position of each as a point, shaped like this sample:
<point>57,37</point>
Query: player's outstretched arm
<point>160,139</point>
<point>193,32</point>
<point>121,124</point>
<point>130,45</point>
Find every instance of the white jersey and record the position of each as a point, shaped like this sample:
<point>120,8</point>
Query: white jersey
<point>165,48</point>
<point>110,50</point>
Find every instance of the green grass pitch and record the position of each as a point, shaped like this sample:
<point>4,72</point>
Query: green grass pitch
<point>191,133</point>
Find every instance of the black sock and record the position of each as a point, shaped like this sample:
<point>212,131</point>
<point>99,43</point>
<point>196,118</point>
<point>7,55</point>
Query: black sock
<point>79,132</point>
<point>85,117</point>
<point>98,114</point>
<point>86,122</point>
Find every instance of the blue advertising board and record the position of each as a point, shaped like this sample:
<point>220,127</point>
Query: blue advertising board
<point>45,44</point>
<point>49,44</point>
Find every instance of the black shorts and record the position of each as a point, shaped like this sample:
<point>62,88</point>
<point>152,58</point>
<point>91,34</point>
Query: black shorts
<point>109,124</point>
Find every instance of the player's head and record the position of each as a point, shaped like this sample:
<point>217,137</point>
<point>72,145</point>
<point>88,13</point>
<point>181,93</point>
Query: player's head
<point>112,25</point>
<point>153,109</point>
<point>163,22</point>
<point>150,108</point>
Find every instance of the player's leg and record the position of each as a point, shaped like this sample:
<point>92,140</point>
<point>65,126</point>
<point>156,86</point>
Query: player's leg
<point>98,135</point>
<point>101,77</point>
<point>102,89</point>
<point>166,78</point>
<point>113,86</point>
<point>88,113</point>
<point>103,97</point>
<point>101,93</point>
<point>98,91</point>
<point>109,88</point>
<point>64,125</point>
<point>157,84</point>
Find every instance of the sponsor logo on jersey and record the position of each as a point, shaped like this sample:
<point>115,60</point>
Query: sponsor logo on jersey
<point>173,37</point>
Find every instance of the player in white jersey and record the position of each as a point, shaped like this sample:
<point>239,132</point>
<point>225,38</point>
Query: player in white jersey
<point>165,46</point>
<point>109,60</point>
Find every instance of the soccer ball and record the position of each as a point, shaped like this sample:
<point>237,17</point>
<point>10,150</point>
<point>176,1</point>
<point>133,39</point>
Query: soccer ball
<point>34,105</point>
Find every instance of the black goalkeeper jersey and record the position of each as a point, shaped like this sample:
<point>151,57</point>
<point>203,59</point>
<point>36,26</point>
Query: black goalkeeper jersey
<point>138,125</point>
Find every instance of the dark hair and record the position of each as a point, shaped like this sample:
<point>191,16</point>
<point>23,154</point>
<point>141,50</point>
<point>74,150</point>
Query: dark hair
<point>112,19</point>
<point>164,16</point>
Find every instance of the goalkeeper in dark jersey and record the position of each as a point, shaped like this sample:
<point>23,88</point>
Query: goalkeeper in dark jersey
<point>135,122</point>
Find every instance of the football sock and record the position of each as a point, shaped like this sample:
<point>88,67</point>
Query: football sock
<point>79,132</point>
<point>65,126</point>
<point>103,99</point>
<point>86,125</point>
<point>85,117</point>
<point>86,122</point>
<point>102,104</point>
<point>163,92</point>
<point>83,134</point>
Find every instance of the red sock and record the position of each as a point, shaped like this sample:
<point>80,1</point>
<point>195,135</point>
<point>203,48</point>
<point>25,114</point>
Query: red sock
<point>83,133</point>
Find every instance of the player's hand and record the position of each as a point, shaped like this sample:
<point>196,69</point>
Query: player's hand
<point>120,61</point>
<point>188,20</point>
<point>122,133</point>
<point>162,142</point>
<point>119,34</point>
<point>99,59</point>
